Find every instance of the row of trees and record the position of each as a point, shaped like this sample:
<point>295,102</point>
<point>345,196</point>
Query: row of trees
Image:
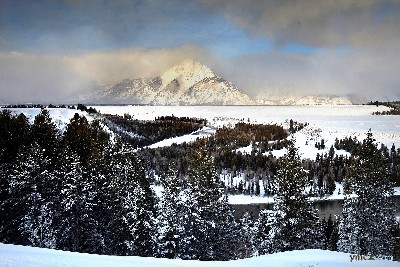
<point>139,133</point>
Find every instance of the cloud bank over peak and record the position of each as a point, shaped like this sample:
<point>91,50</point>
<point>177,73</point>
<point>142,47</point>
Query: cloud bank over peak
<point>50,50</point>
<point>316,23</point>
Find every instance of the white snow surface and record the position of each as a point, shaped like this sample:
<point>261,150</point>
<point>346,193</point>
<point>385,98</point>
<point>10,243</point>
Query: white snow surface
<point>13,255</point>
<point>325,122</point>
<point>205,131</point>
<point>60,116</point>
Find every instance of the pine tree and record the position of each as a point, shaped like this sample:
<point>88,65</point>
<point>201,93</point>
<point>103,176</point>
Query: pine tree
<point>140,223</point>
<point>80,226</point>
<point>294,224</point>
<point>130,207</point>
<point>170,216</point>
<point>27,181</point>
<point>368,215</point>
<point>247,238</point>
<point>262,232</point>
<point>331,233</point>
<point>210,230</point>
<point>37,224</point>
<point>191,243</point>
<point>45,133</point>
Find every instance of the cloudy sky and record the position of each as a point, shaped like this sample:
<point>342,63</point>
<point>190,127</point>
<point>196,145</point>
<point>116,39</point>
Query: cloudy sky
<point>50,50</point>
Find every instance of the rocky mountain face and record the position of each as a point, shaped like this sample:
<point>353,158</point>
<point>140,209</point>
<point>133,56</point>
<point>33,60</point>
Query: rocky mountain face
<point>191,83</point>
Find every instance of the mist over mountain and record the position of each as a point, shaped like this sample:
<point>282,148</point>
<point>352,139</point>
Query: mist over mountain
<point>192,83</point>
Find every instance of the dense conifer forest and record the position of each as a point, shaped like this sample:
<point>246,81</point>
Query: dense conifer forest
<point>89,189</point>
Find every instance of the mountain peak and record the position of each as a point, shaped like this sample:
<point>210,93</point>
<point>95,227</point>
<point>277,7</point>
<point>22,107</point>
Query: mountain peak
<point>186,74</point>
<point>187,83</point>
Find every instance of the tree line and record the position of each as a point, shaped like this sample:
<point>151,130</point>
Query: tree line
<point>139,133</point>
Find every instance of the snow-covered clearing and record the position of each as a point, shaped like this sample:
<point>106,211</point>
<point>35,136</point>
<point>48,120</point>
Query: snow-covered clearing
<point>12,255</point>
<point>325,122</point>
<point>205,131</point>
<point>61,116</point>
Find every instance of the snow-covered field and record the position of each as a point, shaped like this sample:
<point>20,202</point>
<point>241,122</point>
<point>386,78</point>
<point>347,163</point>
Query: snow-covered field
<point>12,255</point>
<point>325,122</point>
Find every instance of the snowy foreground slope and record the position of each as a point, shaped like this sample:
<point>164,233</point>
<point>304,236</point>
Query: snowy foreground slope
<point>12,255</point>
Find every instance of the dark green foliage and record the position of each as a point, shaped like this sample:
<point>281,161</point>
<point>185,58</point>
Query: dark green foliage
<point>331,236</point>
<point>90,110</point>
<point>209,229</point>
<point>244,133</point>
<point>45,133</point>
<point>85,139</point>
<point>368,215</point>
<point>143,133</point>
<point>72,192</point>
<point>14,134</point>
<point>293,224</point>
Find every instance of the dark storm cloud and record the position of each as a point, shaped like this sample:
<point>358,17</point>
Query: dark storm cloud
<point>353,46</point>
<point>49,49</point>
<point>314,22</point>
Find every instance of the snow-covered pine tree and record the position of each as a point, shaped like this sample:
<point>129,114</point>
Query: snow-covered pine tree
<point>214,227</point>
<point>45,133</point>
<point>368,213</point>
<point>262,233</point>
<point>225,231</point>
<point>190,243</point>
<point>140,223</point>
<point>79,227</point>
<point>247,238</point>
<point>331,233</point>
<point>294,224</point>
<point>131,205</point>
<point>169,220</point>
<point>27,182</point>
<point>37,225</point>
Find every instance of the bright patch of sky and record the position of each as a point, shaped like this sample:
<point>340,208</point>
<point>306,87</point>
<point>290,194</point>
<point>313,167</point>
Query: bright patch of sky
<point>59,27</point>
<point>298,48</point>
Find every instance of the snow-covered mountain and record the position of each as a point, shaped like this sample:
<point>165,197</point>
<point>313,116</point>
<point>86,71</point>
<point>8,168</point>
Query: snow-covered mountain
<point>188,83</point>
<point>192,83</point>
<point>265,99</point>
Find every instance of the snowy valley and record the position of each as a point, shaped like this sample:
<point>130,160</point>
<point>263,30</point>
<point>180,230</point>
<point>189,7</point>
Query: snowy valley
<point>247,171</point>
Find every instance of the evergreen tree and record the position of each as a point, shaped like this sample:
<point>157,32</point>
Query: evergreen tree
<point>368,215</point>
<point>14,135</point>
<point>191,242</point>
<point>78,138</point>
<point>246,239</point>
<point>27,182</point>
<point>330,228</point>
<point>130,205</point>
<point>45,133</point>
<point>170,216</point>
<point>37,225</point>
<point>294,224</point>
<point>78,222</point>
<point>262,232</point>
<point>210,230</point>
<point>140,223</point>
